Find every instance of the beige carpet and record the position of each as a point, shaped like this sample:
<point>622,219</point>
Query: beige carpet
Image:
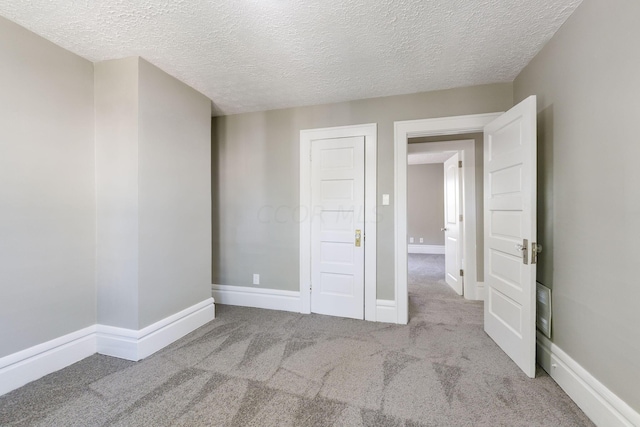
<point>253,367</point>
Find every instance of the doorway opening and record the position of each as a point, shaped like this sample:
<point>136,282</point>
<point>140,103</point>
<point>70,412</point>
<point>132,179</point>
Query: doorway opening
<point>510,248</point>
<point>425,209</point>
<point>442,214</point>
<point>407,132</point>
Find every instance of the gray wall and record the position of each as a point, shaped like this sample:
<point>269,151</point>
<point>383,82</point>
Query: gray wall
<point>153,138</point>
<point>116,139</point>
<point>425,203</point>
<point>257,179</point>
<point>588,86</point>
<point>47,191</point>
<point>174,195</point>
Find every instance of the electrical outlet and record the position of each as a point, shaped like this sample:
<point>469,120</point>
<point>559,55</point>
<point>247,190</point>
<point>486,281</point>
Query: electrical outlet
<point>410,239</point>
<point>256,279</point>
<point>421,240</point>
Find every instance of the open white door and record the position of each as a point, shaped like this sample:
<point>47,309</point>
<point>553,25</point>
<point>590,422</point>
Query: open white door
<point>452,209</point>
<point>510,233</point>
<point>337,227</point>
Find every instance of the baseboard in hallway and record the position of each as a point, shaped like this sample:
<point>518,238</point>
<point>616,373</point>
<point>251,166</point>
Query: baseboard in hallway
<point>426,249</point>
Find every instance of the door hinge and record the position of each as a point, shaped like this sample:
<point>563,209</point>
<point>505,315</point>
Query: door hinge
<point>461,273</point>
<point>460,217</point>
<point>536,248</point>
<point>459,163</point>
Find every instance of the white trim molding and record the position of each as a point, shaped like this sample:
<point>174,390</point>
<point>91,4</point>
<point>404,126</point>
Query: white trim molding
<point>426,249</point>
<point>480,291</point>
<point>35,362</point>
<point>136,345</point>
<point>403,130</point>
<point>386,311</point>
<point>271,299</point>
<point>599,403</point>
<point>370,133</point>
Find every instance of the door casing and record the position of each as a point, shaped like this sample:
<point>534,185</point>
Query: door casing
<point>307,136</point>
<point>403,130</point>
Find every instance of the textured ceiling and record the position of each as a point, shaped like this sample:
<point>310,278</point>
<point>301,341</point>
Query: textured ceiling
<point>249,55</point>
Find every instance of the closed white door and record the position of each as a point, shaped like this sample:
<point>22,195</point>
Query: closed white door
<point>452,208</point>
<point>510,232</point>
<point>337,227</point>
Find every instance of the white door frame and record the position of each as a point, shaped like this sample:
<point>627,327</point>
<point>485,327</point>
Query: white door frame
<point>466,149</point>
<point>403,130</point>
<point>307,136</point>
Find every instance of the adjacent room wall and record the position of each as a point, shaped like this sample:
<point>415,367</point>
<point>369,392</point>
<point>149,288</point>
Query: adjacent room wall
<point>425,203</point>
<point>588,89</point>
<point>47,191</point>
<point>258,179</point>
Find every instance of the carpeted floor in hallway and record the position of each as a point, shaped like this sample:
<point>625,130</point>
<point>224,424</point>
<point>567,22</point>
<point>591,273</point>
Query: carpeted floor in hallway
<point>253,367</point>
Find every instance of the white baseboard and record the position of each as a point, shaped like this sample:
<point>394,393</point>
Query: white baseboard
<point>35,362</point>
<point>271,299</point>
<point>426,249</point>
<point>136,345</point>
<point>599,403</point>
<point>480,291</point>
<point>28,365</point>
<point>386,311</point>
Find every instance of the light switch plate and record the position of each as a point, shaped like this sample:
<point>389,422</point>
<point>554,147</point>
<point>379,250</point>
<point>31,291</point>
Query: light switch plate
<point>385,199</point>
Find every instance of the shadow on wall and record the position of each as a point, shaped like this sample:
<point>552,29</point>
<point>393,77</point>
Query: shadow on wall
<point>545,214</point>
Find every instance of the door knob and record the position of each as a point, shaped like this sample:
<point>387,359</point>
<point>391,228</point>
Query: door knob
<point>443,229</point>
<point>358,237</point>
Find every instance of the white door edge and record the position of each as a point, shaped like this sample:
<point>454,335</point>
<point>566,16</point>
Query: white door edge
<point>510,192</point>
<point>453,225</point>
<point>403,130</point>
<point>370,132</point>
